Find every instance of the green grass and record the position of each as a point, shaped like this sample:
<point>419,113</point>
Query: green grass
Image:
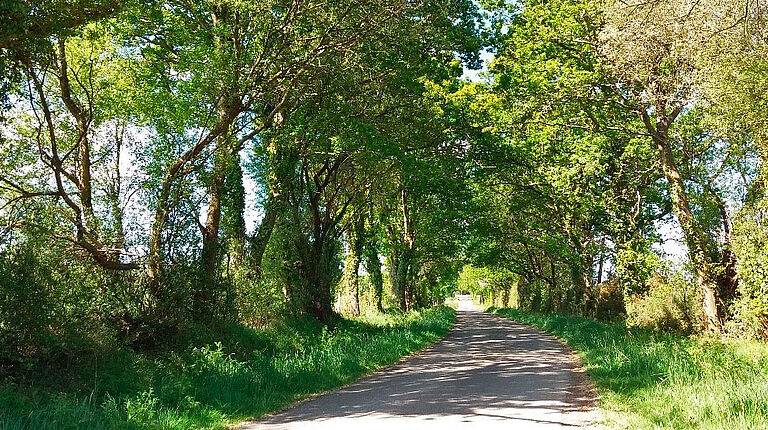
<point>652,380</point>
<point>244,375</point>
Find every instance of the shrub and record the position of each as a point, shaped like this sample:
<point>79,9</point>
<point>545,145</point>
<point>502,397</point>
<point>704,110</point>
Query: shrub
<point>750,241</point>
<point>609,297</point>
<point>54,306</point>
<point>671,303</point>
<point>26,308</point>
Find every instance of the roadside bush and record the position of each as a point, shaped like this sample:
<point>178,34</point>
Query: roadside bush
<point>750,241</point>
<point>610,300</point>
<point>259,299</point>
<point>671,303</point>
<point>26,305</point>
<point>54,306</point>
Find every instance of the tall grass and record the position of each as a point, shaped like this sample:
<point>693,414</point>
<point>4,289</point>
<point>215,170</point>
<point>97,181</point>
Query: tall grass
<point>244,375</point>
<point>652,380</point>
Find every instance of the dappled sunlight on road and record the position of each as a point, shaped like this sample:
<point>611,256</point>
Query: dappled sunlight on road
<point>487,372</point>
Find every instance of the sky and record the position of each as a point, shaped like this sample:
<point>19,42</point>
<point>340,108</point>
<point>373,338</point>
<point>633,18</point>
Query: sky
<point>475,75</point>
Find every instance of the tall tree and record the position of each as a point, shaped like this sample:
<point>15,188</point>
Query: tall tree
<point>658,80</point>
<point>72,91</point>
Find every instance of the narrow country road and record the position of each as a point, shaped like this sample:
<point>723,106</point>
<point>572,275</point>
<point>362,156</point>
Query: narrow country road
<point>487,373</point>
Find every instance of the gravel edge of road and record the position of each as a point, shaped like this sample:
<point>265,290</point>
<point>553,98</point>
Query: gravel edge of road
<point>583,388</point>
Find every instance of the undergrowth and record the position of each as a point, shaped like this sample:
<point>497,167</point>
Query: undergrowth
<point>214,379</point>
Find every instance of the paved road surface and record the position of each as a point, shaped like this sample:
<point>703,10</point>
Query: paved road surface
<point>487,373</point>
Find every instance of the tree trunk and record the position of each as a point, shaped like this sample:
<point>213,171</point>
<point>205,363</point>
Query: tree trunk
<point>226,115</point>
<point>224,154</point>
<point>373,267</point>
<point>281,162</point>
<point>114,189</point>
<point>694,238</point>
<point>394,265</point>
<point>398,264</point>
<point>315,241</point>
<point>350,282</point>
<point>233,213</point>
<point>393,261</point>
<point>405,261</point>
<point>83,121</point>
<point>552,281</point>
<point>259,241</point>
<point>727,280</point>
<point>315,297</point>
<point>154,259</point>
<point>403,268</point>
<point>601,261</point>
<point>586,285</point>
<point>582,271</point>
<point>213,218</point>
<point>588,289</point>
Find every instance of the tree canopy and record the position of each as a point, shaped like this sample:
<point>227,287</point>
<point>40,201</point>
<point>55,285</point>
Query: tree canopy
<point>162,162</point>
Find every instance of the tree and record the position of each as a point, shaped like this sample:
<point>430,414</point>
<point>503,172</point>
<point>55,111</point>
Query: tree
<point>657,79</point>
<point>578,89</point>
<point>75,127</point>
<point>562,165</point>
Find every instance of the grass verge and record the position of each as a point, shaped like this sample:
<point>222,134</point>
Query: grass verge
<point>653,380</point>
<point>247,373</point>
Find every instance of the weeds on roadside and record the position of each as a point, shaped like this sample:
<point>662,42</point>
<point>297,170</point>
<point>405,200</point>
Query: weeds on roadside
<point>244,374</point>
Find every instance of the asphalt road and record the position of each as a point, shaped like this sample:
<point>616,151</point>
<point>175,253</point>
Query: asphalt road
<point>487,373</point>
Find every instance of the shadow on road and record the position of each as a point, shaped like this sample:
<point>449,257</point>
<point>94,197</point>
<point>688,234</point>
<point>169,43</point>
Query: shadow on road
<point>487,371</point>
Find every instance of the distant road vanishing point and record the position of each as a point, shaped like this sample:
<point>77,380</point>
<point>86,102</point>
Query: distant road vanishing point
<point>487,373</point>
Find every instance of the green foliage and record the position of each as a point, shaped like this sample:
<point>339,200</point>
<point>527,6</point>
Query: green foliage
<point>597,130</point>
<point>26,308</point>
<point>751,248</point>
<point>670,303</point>
<point>213,378</point>
<point>55,309</point>
<point>259,300</point>
<point>635,265</point>
<point>650,380</point>
<point>473,279</point>
<point>493,286</point>
<point>564,183</point>
<point>610,303</point>
<point>127,217</point>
